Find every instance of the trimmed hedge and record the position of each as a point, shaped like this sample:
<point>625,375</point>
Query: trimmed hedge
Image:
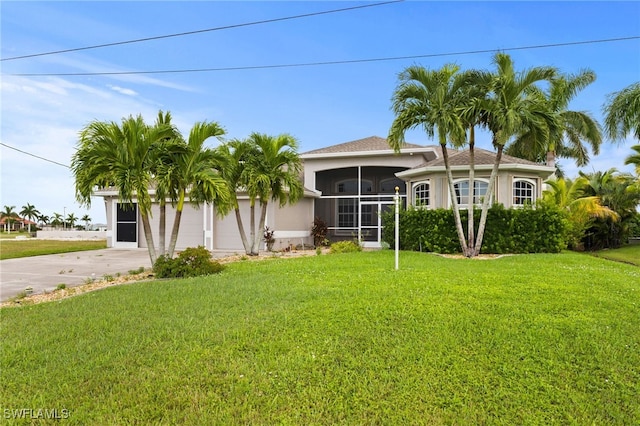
<point>523,230</point>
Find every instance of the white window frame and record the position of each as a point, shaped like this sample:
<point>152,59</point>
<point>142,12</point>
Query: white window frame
<point>414,194</point>
<point>478,202</point>
<point>531,182</point>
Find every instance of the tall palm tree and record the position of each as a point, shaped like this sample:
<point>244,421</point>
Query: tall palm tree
<point>512,107</point>
<point>44,219</point>
<point>57,219</point>
<point>622,113</point>
<point>273,174</point>
<point>9,215</point>
<point>193,172</point>
<point>86,219</point>
<point>434,100</point>
<point>266,168</point>
<point>71,220</point>
<point>29,212</point>
<point>576,129</point>
<point>119,155</point>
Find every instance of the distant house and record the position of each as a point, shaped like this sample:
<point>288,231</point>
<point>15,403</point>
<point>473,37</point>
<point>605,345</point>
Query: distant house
<point>17,224</point>
<point>346,185</point>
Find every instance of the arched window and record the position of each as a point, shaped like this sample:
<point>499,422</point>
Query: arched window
<point>421,194</point>
<point>461,188</point>
<point>523,192</point>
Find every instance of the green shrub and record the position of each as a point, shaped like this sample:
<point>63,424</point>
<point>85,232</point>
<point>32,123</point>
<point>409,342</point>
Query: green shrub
<point>523,230</point>
<point>345,247</point>
<point>192,262</point>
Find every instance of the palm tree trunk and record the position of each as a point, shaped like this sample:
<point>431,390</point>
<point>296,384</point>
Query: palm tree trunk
<point>487,200</point>
<point>146,226</point>
<point>162,227</point>
<point>176,225</point>
<point>454,201</point>
<point>252,231</point>
<point>258,236</point>
<point>243,235</point>
<point>472,176</point>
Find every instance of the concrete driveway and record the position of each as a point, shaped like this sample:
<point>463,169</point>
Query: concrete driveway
<point>72,269</point>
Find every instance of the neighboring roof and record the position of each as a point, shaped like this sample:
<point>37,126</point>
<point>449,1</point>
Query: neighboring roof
<point>372,143</point>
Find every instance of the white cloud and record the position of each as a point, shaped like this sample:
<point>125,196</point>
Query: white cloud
<point>124,91</point>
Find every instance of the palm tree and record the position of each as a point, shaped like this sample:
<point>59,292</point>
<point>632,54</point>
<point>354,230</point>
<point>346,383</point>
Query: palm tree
<point>618,192</point>
<point>512,107</point>
<point>622,113</point>
<point>86,219</point>
<point>575,128</point>
<point>192,172</point>
<point>57,219</point>
<point>266,168</point>
<point>634,159</point>
<point>71,220</point>
<point>29,212</point>
<point>9,215</point>
<point>434,100</point>
<point>44,219</point>
<point>581,208</point>
<point>116,155</point>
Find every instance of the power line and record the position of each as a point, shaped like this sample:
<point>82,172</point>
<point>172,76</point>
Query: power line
<point>33,155</point>
<point>309,64</point>
<point>139,40</point>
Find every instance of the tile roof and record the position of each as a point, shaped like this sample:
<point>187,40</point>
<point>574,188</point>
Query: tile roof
<point>482,157</point>
<point>372,143</point>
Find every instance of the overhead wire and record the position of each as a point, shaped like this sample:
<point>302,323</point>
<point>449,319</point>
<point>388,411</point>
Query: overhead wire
<point>34,155</point>
<point>226,27</point>
<point>309,64</point>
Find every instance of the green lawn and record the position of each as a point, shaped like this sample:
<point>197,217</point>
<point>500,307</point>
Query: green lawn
<point>340,339</point>
<point>11,248</point>
<point>628,254</point>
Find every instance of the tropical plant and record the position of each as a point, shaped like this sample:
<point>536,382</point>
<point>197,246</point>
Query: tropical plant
<point>512,107</point>
<point>265,168</point>
<point>192,170</point>
<point>634,159</point>
<point>581,209</point>
<point>29,212</point>
<point>86,219</point>
<point>618,192</point>
<point>622,113</point>
<point>433,100</point>
<point>44,219</point>
<point>119,155</point>
<point>319,232</point>
<point>71,220</point>
<point>57,219</point>
<point>9,215</point>
<point>575,130</point>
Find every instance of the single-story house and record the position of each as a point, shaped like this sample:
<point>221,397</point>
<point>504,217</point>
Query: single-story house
<point>17,224</point>
<point>346,185</point>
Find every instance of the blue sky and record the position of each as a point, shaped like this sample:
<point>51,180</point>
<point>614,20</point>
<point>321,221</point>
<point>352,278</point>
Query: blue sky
<point>320,105</point>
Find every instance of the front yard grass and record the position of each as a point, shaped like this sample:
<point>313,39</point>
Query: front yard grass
<point>12,248</point>
<point>628,254</point>
<point>340,339</point>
